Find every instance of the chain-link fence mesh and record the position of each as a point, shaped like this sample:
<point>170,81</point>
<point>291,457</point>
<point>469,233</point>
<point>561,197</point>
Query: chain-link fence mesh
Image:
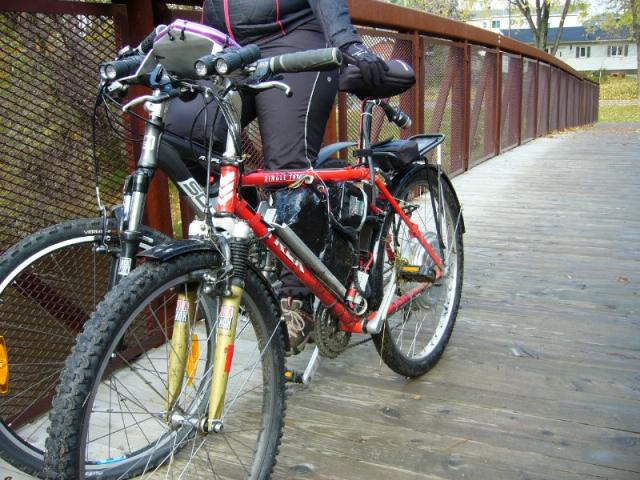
<point>48,79</point>
<point>482,122</point>
<point>510,100</point>
<point>544,72</point>
<point>443,88</point>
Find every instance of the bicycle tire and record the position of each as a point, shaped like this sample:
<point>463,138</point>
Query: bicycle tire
<point>49,284</point>
<point>80,410</point>
<point>437,313</point>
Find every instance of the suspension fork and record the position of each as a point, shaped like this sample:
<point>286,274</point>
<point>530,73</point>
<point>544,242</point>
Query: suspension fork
<point>227,324</point>
<point>179,351</point>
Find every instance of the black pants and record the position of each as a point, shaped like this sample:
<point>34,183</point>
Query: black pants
<point>291,128</point>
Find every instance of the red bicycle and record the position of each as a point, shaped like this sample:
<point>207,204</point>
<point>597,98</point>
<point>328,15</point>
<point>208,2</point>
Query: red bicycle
<point>182,367</point>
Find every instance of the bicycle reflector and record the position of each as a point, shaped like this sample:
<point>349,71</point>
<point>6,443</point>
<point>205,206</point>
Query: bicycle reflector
<point>4,367</point>
<point>193,359</point>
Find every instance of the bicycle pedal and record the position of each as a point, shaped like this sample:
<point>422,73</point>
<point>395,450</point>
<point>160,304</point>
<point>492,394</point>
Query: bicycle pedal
<point>291,376</point>
<point>416,273</point>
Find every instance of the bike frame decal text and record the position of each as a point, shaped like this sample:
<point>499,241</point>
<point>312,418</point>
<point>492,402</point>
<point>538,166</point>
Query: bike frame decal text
<point>195,193</point>
<point>289,255</point>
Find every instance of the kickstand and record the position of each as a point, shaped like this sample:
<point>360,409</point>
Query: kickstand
<point>305,377</point>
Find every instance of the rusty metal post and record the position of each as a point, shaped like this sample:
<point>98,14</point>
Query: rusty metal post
<point>520,88</point>
<point>498,86</point>
<point>457,111</point>
<point>559,77</point>
<point>549,74</point>
<point>491,105</point>
<point>536,97</point>
<point>418,96</point>
<point>467,107</point>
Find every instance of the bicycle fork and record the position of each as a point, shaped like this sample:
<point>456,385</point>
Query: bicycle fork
<point>231,291</point>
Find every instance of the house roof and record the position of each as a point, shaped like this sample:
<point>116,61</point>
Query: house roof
<point>570,34</point>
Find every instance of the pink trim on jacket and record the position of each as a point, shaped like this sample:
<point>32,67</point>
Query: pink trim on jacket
<point>227,20</point>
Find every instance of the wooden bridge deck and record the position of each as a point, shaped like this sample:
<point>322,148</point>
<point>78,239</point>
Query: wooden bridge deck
<point>541,379</point>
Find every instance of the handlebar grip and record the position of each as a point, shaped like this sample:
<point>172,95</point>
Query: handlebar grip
<point>147,44</point>
<point>121,68</point>
<point>309,61</point>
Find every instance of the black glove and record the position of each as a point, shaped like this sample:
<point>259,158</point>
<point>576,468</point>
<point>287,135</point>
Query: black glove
<point>371,66</point>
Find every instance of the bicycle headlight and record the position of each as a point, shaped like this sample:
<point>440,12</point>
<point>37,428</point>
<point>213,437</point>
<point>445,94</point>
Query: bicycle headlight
<point>204,66</point>
<point>110,72</point>
<point>221,66</point>
<point>201,69</point>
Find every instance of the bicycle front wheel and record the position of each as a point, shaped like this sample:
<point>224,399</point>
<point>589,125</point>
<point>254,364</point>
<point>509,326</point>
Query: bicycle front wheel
<point>50,283</point>
<point>415,335</point>
<point>112,416</point>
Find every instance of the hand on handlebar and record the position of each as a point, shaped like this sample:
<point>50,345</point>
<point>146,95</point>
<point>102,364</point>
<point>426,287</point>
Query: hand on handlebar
<point>372,67</point>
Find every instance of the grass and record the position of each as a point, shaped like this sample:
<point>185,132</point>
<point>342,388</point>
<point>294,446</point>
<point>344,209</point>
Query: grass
<point>619,113</point>
<point>619,88</point>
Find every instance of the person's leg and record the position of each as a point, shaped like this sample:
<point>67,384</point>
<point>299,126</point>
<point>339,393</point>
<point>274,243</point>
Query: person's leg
<point>292,131</point>
<point>187,121</point>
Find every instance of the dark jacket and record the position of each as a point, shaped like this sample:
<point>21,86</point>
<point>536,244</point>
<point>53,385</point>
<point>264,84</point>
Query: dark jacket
<point>258,21</point>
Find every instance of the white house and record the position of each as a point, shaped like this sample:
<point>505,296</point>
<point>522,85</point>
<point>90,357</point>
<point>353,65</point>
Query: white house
<point>588,49</point>
<point>499,20</point>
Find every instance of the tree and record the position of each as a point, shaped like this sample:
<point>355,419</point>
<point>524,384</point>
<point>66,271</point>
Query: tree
<point>624,17</point>
<point>538,20</point>
<point>444,8</point>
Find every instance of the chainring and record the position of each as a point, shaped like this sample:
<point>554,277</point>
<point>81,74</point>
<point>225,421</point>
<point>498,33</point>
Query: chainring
<point>330,340</point>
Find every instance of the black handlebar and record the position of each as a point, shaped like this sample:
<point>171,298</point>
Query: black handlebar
<point>121,68</point>
<point>147,44</point>
<point>309,61</point>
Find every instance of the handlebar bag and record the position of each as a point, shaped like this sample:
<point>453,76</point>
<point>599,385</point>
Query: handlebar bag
<point>399,78</point>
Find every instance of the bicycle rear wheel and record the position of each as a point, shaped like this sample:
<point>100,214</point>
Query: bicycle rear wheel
<point>414,337</point>
<point>50,283</point>
<point>112,412</point>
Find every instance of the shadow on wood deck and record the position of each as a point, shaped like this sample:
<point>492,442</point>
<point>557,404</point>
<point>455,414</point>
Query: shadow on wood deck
<point>541,379</point>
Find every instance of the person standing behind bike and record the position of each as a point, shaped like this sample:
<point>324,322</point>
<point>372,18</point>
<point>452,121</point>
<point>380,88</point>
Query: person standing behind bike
<point>292,128</point>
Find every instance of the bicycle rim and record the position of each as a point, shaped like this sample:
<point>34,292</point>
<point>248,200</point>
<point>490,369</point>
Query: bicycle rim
<point>423,324</point>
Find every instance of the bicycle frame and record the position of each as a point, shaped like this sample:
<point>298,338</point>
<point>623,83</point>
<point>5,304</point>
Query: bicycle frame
<point>278,246</point>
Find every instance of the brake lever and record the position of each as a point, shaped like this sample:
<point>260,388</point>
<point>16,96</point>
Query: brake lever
<point>270,84</point>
